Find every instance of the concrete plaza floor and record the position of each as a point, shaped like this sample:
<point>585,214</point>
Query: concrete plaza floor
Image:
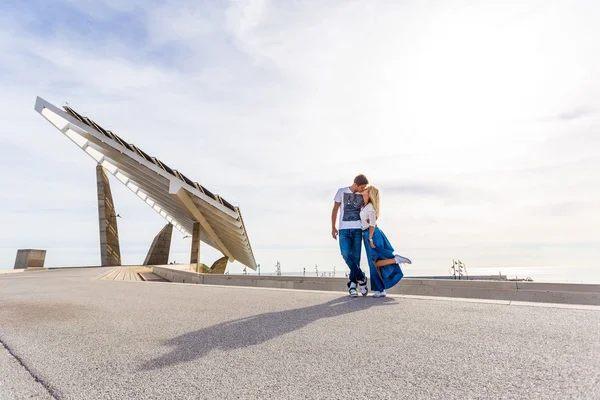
<point>66,334</point>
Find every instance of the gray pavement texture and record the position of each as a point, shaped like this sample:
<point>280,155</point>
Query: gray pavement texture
<point>16,382</point>
<point>84,338</point>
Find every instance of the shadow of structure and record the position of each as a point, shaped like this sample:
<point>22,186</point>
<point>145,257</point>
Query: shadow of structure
<point>254,330</point>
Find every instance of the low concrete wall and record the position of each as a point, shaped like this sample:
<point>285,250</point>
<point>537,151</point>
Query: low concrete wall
<point>565,293</point>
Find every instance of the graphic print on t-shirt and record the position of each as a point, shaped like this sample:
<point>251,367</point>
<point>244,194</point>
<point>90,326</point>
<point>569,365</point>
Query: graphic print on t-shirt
<point>352,204</point>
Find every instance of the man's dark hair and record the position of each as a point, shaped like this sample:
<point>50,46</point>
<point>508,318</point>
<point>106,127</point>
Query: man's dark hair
<point>361,180</point>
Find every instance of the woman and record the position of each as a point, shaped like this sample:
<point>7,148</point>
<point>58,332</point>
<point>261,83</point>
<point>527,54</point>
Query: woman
<point>384,265</point>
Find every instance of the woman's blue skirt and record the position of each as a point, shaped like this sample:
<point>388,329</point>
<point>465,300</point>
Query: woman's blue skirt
<point>390,274</point>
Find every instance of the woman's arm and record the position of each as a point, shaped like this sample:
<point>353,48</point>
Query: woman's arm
<point>371,232</point>
<point>372,224</point>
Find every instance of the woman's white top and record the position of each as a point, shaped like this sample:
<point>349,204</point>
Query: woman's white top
<point>368,217</point>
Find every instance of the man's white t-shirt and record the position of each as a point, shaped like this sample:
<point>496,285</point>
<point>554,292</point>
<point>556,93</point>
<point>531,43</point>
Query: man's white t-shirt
<point>351,204</point>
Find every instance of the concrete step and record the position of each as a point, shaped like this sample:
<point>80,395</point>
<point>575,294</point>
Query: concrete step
<point>132,274</point>
<point>112,274</point>
<point>150,277</point>
<point>121,274</point>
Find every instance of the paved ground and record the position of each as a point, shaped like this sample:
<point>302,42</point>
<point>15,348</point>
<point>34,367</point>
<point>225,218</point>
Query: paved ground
<point>71,336</point>
<point>16,382</point>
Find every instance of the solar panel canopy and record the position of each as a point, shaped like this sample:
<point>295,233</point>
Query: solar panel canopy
<point>175,197</point>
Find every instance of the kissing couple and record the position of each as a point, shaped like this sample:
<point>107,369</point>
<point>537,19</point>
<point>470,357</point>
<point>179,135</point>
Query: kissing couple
<point>359,207</point>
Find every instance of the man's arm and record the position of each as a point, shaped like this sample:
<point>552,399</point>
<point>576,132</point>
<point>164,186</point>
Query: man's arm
<point>334,213</point>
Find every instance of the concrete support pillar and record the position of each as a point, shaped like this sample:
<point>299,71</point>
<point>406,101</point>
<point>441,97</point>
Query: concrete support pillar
<point>110,252</point>
<point>195,254</point>
<point>160,248</point>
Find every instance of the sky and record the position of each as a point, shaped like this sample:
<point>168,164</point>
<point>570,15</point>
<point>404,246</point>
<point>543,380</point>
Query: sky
<point>477,120</point>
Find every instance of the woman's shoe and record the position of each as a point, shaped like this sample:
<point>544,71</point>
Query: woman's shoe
<point>402,260</point>
<point>379,294</point>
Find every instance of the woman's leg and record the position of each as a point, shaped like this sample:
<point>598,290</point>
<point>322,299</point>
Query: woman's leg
<point>376,282</point>
<point>392,274</point>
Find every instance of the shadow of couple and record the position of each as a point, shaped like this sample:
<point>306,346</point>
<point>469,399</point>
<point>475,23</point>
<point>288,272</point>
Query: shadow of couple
<point>255,330</point>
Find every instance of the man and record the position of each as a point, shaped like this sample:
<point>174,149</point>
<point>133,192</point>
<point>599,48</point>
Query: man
<point>349,201</point>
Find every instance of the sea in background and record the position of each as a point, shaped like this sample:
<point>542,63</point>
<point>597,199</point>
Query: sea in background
<point>538,274</point>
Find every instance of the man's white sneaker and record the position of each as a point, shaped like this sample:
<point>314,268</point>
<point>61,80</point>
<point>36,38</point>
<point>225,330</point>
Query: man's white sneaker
<point>352,290</point>
<point>363,287</point>
<point>379,294</point>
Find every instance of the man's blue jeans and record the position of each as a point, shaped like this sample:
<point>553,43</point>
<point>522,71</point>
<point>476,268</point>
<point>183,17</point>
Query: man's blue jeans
<point>350,243</point>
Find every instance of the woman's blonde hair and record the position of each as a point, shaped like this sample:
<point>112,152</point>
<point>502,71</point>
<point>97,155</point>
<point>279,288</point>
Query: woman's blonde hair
<point>374,198</point>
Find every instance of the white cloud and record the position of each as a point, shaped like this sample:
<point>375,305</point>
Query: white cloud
<point>477,121</point>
